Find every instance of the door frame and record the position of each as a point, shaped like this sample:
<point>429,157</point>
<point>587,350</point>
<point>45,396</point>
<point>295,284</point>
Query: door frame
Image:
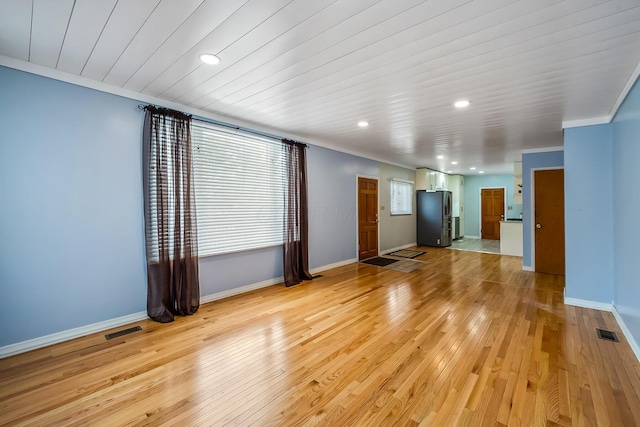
<point>480,206</point>
<point>377,178</point>
<point>532,210</point>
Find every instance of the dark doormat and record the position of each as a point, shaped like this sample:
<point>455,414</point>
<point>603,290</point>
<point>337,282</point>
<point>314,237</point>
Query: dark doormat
<point>406,253</point>
<point>379,261</point>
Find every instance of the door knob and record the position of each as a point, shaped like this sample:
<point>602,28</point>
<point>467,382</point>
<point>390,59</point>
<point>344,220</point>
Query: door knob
<point>538,226</point>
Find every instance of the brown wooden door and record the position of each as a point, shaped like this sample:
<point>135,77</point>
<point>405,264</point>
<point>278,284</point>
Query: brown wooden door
<point>549,221</point>
<point>367,218</point>
<point>492,212</point>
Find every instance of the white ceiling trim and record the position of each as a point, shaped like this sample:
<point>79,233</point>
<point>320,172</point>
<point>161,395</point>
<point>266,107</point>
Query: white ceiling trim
<point>586,122</point>
<point>625,92</point>
<point>542,150</point>
<point>608,118</point>
<point>55,74</point>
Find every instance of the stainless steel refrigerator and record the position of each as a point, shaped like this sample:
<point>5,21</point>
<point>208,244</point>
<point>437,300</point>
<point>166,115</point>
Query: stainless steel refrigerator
<point>434,218</point>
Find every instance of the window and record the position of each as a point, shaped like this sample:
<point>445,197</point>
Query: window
<point>401,197</point>
<point>238,179</point>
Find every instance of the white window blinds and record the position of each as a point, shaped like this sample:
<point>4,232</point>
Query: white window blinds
<point>401,197</point>
<point>239,189</point>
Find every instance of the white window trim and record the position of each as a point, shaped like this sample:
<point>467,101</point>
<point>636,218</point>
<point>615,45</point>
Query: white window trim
<point>410,198</point>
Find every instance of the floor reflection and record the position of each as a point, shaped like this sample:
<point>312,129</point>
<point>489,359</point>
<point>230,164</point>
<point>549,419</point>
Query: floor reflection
<point>476,245</point>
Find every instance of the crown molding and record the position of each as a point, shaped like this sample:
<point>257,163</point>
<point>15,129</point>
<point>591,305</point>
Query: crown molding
<point>586,122</point>
<point>614,110</point>
<point>542,150</point>
<point>625,91</point>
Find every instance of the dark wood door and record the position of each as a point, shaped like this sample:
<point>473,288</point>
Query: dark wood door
<point>549,221</point>
<point>492,212</point>
<point>367,218</point>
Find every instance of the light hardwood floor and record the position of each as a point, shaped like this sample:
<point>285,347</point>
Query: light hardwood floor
<point>469,339</point>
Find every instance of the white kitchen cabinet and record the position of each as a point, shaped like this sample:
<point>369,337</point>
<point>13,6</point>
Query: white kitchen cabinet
<point>511,238</point>
<point>422,179</point>
<point>441,181</point>
<point>427,179</point>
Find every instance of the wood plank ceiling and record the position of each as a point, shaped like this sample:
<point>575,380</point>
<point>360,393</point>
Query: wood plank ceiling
<point>315,68</point>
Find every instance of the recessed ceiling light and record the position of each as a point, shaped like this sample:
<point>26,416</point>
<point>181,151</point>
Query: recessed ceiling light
<point>462,103</point>
<point>209,58</point>
<point>472,168</point>
<point>363,124</point>
<point>440,157</point>
<point>454,163</point>
<point>480,171</point>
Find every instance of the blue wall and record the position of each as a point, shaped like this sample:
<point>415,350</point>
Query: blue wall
<point>71,223</point>
<point>531,161</point>
<point>626,200</point>
<point>472,186</point>
<point>71,227</point>
<point>332,204</point>
<point>588,213</point>
<point>601,180</point>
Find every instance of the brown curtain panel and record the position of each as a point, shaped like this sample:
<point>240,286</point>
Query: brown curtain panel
<point>170,215</point>
<point>296,227</point>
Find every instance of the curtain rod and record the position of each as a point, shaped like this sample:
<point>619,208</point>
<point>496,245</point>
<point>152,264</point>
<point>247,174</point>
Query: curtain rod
<point>229,125</point>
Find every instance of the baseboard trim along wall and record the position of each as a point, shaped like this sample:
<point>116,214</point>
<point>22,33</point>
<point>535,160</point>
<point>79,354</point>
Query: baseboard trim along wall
<point>58,337</point>
<point>270,282</point>
<point>611,308</point>
<point>470,237</point>
<point>627,333</point>
<point>595,305</point>
<point>334,265</point>
<point>527,268</point>
<point>397,248</point>
<point>47,340</point>
<point>241,290</point>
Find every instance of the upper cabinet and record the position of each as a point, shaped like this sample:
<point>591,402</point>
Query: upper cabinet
<point>517,183</point>
<point>427,179</point>
<point>422,179</point>
<point>442,181</point>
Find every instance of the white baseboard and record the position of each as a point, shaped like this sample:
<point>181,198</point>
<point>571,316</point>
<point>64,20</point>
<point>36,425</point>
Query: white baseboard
<point>24,346</point>
<point>334,265</point>
<point>527,268</point>
<point>470,237</point>
<point>611,308</point>
<point>269,282</point>
<point>627,333</point>
<point>596,305</point>
<point>398,248</point>
<point>241,290</point>
<point>32,344</point>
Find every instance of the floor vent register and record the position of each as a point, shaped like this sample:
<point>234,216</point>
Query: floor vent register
<point>122,332</point>
<point>603,334</point>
